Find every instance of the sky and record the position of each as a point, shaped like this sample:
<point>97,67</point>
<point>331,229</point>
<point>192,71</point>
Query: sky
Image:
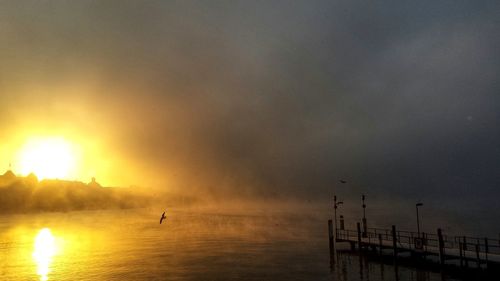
<point>278,99</point>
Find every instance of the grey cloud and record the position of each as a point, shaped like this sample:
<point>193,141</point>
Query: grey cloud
<point>278,97</point>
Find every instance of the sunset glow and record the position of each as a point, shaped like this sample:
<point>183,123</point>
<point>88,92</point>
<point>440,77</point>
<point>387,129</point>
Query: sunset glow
<point>52,157</point>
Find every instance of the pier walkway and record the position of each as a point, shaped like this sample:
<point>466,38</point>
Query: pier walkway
<point>461,251</point>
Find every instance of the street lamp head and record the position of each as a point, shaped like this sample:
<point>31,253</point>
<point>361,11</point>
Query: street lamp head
<point>419,204</point>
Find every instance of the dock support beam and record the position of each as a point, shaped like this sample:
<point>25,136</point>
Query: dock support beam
<point>478,260</point>
<point>380,244</point>
<point>359,235</point>
<point>394,241</point>
<point>331,240</point>
<point>441,246</point>
<point>464,248</point>
<point>486,251</point>
<point>461,251</point>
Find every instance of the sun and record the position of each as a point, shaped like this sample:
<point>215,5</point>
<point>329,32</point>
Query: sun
<point>48,158</point>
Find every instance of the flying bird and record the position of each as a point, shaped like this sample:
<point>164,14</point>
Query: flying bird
<point>162,217</point>
<point>343,181</point>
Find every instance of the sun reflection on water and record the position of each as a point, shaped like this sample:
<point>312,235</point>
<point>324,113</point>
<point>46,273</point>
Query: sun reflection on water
<point>45,249</point>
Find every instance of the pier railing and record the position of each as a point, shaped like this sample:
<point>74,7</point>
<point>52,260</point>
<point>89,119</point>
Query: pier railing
<point>446,247</point>
<point>428,239</point>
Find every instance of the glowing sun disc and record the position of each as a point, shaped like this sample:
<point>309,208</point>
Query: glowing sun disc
<point>47,158</point>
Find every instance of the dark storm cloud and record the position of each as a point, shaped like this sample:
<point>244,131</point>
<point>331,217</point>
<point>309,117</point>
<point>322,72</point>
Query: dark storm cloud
<point>400,98</point>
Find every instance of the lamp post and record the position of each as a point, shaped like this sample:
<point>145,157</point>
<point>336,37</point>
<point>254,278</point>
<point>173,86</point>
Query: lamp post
<point>335,206</point>
<point>418,219</point>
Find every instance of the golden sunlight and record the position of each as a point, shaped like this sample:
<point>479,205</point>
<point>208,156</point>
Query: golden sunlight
<point>45,248</point>
<point>48,158</point>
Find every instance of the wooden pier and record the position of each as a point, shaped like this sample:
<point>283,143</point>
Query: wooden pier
<point>443,250</point>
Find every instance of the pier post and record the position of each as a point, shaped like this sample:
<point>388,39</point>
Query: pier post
<point>464,248</point>
<point>331,240</point>
<point>365,228</point>
<point>441,246</point>
<point>478,260</point>
<point>380,244</point>
<point>394,242</point>
<point>359,235</point>
<point>424,245</point>
<point>486,251</point>
<point>461,250</point>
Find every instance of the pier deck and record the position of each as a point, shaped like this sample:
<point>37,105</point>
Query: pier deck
<point>463,251</point>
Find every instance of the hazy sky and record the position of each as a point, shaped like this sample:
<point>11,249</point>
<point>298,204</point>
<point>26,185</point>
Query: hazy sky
<point>400,98</point>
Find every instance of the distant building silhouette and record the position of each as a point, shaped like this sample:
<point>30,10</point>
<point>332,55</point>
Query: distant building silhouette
<point>20,194</point>
<point>94,183</point>
<point>9,175</point>
<point>31,179</point>
<point>7,178</point>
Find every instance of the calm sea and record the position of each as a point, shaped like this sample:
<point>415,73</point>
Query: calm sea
<point>189,245</point>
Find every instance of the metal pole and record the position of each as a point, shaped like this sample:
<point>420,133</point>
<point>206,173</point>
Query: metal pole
<point>335,206</point>
<point>418,219</point>
<point>364,206</point>
<point>365,227</point>
<point>335,211</point>
<point>418,223</point>
<point>359,235</point>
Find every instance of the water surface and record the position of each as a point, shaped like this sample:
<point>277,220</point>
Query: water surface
<point>189,245</point>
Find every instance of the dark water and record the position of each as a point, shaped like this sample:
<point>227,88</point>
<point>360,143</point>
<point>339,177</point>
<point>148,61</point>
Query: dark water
<point>189,245</point>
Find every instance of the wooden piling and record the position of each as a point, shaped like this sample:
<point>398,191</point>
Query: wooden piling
<point>464,247</point>
<point>358,226</point>
<point>478,260</point>
<point>394,242</point>
<point>331,239</point>
<point>460,250</point>
<point>486,251</point>
<point>365,228</point>
<point>424,244</point>
<point>380,244</point>
<point>441,246</point>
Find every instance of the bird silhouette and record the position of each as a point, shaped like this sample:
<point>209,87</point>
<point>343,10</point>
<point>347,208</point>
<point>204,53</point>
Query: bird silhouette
<point>162,217</point>
<point>343,181</point>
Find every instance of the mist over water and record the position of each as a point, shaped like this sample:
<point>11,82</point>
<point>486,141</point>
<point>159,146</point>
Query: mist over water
<point>203,243</point>
<point>239,118</point>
